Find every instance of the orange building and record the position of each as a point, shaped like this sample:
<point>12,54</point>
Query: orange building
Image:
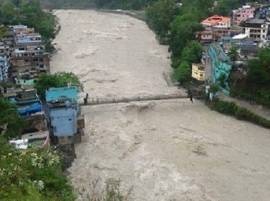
<point>217,22</point>
<point>215,27</point>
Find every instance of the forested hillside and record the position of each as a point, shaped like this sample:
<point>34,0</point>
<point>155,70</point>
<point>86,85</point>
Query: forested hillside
<point>27,12</point>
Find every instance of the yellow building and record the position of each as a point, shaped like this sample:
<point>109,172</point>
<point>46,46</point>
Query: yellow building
<point>198,72</point>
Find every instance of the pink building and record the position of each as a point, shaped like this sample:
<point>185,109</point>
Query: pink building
<point>242,14</point>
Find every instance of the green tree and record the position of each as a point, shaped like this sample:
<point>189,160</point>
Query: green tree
<point>192,53</point>
<point>225,7</point>
<point>198,8</point>
<point>183,30</point>
<point>264,56</point>
<point>257,75</point>
<point>259,70</point>
<point>29,13</point>
<point>10,122</point>
<point>8,13</point>
<point>3,31</point>
<point>159,16</point>
<point>46,81</point>
<point>182,74</point>
<point>233,53</point>
<point>32,175</point>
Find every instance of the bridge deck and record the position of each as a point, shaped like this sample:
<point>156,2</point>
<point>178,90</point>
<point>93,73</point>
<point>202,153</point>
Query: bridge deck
<point>104,101</point>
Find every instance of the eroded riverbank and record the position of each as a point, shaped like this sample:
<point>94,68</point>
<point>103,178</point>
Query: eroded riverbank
<point>162,151</point>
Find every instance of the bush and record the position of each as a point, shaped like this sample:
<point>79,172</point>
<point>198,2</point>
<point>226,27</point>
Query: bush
<point>260,96</point>
<point>224,107</point>
<point>240,113</point>
<point>182,74</point>
<point>31,175</point>
<point>46,81</point>
<point>11,123</point>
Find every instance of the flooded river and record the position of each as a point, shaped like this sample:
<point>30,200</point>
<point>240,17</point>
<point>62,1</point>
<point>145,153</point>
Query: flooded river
<point>160,150</point>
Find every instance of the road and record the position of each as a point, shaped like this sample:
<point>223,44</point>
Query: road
<point>171,150</point>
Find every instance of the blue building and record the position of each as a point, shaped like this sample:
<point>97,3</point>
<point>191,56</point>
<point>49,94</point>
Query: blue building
<point>63,120</point>
<point>27,102</point>
<point>62,111</point>
<point>28,110</point>
<point>221,67</point>
<point>56,94</point>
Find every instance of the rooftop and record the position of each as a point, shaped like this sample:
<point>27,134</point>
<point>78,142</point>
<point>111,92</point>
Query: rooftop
<point>215,20</point>
<point>244,7</point>
<point>255,21</point>
<point>56,94</point>
<point>240,36</point>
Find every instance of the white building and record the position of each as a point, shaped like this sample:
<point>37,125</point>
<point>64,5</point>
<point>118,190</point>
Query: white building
<point>257,29</point>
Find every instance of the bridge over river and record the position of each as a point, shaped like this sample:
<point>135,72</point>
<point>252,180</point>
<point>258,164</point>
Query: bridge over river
<point>160,150</point>
<point>105,101</point>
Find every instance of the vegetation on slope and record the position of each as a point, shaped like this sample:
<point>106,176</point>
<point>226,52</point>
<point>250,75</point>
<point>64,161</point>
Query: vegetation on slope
<point>10,122</point>
<point>27,12</point>
<point>179,31</point>
<point>255,86</point>
<point>30,174</point>
<point>230,108</point>
<point>34,175</point>
<point>46,81</point>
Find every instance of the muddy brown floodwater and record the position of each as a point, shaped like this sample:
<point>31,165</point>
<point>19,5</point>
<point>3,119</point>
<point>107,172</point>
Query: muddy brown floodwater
<point>161,151</point>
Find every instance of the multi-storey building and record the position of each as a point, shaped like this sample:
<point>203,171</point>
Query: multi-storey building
<point>29,39</point>
<point>5,49</point>
<point>4,68</point>
<point>242,14</point>
<point>32,60</point>
<point>215,28</point>
<point>257,29</point>
<point>21,29</point>
<point>198,71</point>
<point>217,21</point>
<point>63,112</point>
<point>28,58</point>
